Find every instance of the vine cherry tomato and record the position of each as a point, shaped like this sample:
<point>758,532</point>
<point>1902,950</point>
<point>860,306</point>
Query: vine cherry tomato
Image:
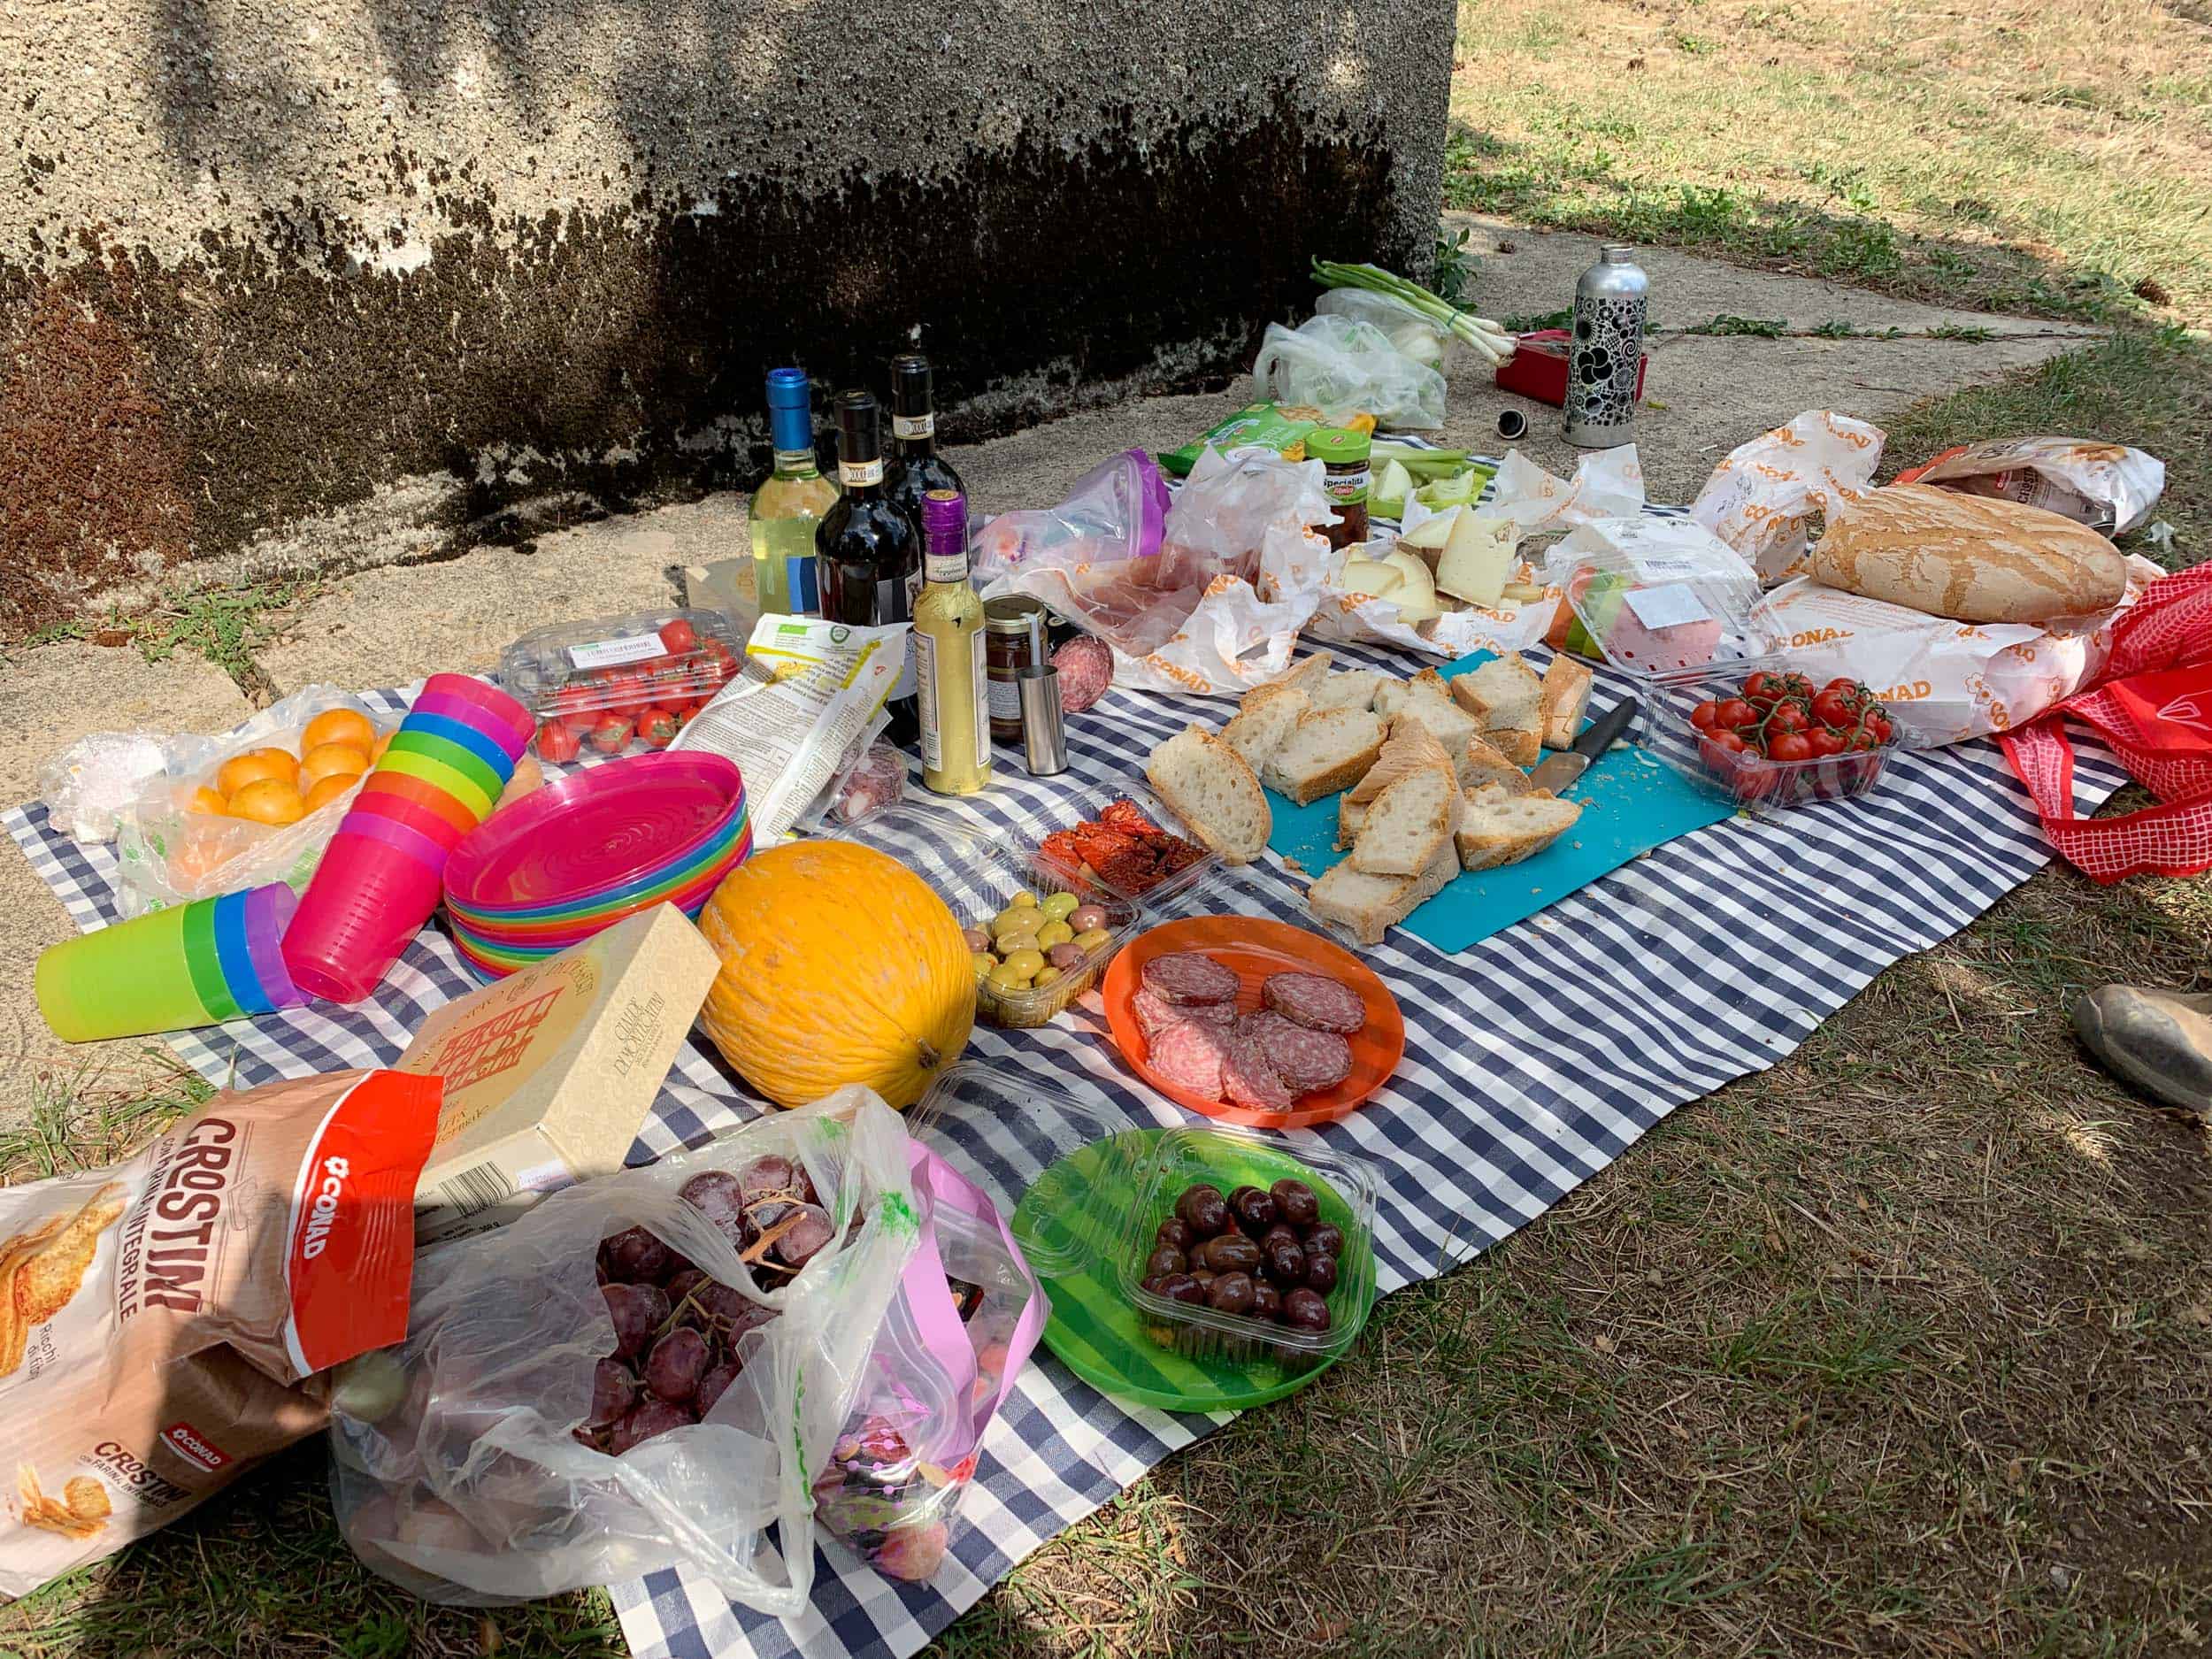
<point>1734,712</point>
<point>679,636</point>
<point>557,741</point>
<point>656,728</point>
<point>1824,741</point>
<point>612,734</point>
<point>1762,688</point>
<point>1832,708</point>
<point>1789,745</point>
<point>1788,718</point>
<point>1864,742</point>
<point>1706,715</point>
<point>1878,723</point>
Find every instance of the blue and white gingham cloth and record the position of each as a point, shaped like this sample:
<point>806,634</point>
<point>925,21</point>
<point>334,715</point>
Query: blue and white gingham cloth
<point>1533,1060</point>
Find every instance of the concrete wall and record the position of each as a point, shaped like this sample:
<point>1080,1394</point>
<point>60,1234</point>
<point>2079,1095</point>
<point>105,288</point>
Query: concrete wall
<point>278,274</point>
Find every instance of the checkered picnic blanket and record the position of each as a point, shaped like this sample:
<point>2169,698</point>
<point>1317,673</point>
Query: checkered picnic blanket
<point>1532,1062</point>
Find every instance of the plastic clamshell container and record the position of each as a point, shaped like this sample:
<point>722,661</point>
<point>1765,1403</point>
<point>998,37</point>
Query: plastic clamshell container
<point>1752,781</point>
<point>1008,1134</point>
<point>978,876</point>
<point>1228,1158</point>
<point>1658,610</point>
<point>1163,897</point>
<point>581,671</point>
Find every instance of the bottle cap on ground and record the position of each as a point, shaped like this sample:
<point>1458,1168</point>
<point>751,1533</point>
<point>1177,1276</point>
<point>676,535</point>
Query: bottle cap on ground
<point>1512,424</point>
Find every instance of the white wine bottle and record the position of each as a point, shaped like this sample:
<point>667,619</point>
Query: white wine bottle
<point>951,681</point>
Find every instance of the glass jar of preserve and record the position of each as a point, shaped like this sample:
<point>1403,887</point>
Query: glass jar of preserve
<point>1014,638</point>
<point>1344,456</point>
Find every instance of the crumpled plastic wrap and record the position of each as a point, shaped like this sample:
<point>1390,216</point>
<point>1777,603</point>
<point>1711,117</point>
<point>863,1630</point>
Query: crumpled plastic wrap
<point>1764,495</point>
<point>1606,484</point>
<point>89,786</point>
<point>1346,366</point>
<point>2108,487</point>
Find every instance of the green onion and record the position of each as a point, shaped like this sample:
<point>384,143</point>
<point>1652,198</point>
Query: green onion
<point>1484,335</point>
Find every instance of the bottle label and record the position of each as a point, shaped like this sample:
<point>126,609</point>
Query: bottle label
<point>926,691</point>
<point>909,427</point>
<point>945,567</point>
<point>860,474</point>
<point>1344,486</point>
<point>978,659</point>
<point>1006,700</point>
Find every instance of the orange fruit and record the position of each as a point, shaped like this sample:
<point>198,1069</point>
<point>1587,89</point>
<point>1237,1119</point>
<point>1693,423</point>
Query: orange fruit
<point>332,760</point>
<point>329,788</point>
<point>269,800</point>
<point>240,770</point>
<point>376,750</point>
<point>205,799</point>
<point>338,725</point>
<point>283,758</point>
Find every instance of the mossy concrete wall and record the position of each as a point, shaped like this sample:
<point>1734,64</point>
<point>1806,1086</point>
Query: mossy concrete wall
<point>264,261</point>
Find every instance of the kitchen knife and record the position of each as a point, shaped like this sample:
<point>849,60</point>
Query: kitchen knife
<point>1561,772</point>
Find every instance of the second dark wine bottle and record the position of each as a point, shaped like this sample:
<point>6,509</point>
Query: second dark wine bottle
<point>867,549</point>
<point>918,468</point>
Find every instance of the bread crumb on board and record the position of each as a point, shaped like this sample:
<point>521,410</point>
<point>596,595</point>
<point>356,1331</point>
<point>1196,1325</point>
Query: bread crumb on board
<point>1292,864</point>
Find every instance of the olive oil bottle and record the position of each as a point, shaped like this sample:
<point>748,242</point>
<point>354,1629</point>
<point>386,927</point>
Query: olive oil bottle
<point>951,682</point>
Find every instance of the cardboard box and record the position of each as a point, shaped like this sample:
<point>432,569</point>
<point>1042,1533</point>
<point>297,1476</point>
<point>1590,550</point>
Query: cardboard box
<point>550,1071</point>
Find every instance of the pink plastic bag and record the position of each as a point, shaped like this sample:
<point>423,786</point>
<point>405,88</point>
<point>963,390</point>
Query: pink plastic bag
<point>968,1314</point>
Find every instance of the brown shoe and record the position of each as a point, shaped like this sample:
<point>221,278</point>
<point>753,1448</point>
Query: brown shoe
<point>2159,1041</point>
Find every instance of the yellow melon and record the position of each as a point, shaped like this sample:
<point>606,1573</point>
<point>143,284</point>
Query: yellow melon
<point>839,966</point>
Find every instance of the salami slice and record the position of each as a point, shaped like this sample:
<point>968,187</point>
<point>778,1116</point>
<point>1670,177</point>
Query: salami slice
<point>1087,668</point>
<point>1155,1015</point>
<point>1315,1001</point>
<point>1189,979</point>
<point>1307,1061</point>
<point>1189,1055</point>
<point>1248,1076</point>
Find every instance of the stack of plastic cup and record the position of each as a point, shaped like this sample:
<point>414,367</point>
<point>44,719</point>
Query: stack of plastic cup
<point>593,848</point>
<point>379,878</point>
<point>191,964</point>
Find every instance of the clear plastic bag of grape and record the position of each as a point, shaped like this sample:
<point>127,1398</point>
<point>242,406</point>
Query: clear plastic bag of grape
<point>639,1372</point>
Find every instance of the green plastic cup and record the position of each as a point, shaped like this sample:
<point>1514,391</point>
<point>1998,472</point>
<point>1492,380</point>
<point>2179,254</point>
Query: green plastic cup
<point>125,981</point>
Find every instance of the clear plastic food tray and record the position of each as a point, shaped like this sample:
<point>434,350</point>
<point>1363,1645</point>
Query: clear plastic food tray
<point>1161,896</point>
<point>1751,781</point>
<point>1228,1158</point>
<point>599,676</point>
<point>1659,605</point>
<point>978,877</point>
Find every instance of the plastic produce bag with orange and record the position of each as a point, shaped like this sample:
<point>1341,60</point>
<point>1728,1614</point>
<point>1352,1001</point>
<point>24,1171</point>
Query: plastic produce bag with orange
<point>246,807</point>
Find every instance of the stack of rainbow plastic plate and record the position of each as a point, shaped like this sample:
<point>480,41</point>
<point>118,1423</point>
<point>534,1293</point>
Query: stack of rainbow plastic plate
<point>599,845</point>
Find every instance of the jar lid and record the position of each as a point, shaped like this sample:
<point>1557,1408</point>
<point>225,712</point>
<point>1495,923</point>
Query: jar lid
<point>1335,443</point>
<point>1011,613</point>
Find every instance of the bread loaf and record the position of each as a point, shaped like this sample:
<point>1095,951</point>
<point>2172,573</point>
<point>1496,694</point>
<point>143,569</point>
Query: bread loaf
<point>1969,558</point>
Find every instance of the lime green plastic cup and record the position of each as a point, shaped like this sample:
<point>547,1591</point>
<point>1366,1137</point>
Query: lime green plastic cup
<point>125,981</point>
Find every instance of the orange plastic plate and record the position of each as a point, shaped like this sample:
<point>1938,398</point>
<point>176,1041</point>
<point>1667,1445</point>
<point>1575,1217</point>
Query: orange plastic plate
<point>1254,947</point>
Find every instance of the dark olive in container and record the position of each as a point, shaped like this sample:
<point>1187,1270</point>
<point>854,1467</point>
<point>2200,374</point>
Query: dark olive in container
<point>1175,1234</point>
<point>1206,1210</point>
<point>1267,1302</point>
<point>1287,1264</point>
<point>1165,1260</point>
<point>1231,1253</point>
<point>1304,1311</point>
<point>1182,1287</point>
<point>1321,1273</point>
<point>1281,1233</point>
<point>1325,1239</point>
<point>1232,1293</point>
<point>1296,1202</point>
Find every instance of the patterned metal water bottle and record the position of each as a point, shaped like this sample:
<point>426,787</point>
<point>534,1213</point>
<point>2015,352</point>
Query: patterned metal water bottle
<point>1606,352</point>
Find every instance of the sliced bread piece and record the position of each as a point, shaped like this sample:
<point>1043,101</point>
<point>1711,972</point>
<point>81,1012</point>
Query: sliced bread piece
<point>1327,751</point>
<point>1497,829</point>
<point>1353,688</point>
<point>1307,673</point>
<point>1406,823</point>
<point>1449,723</point>
<point>1409,745</point>
<point>1480,762</point>
<point>1393,695</point>
<point>1350,815</point>
<point>1206,783</point>
<point>1519,744</point>
<point>1264,721</point>
<point>1561,700</point>
<point>1503,692</point>
<point>1370,906</point>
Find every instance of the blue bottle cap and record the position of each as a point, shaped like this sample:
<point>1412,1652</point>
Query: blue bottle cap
<point>790,410</point>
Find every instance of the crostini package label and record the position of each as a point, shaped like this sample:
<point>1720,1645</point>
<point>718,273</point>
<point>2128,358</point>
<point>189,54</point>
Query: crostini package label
<point>161,1320</point>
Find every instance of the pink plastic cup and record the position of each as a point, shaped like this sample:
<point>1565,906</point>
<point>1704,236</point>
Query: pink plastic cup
<point>376,827</point>
<point>504,710</point>
<point>476,716</point>
<point>368,898</point>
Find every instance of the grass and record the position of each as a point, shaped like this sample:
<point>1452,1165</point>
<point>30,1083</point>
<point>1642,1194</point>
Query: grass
<point>2054,159</point>
<point>224,626</point>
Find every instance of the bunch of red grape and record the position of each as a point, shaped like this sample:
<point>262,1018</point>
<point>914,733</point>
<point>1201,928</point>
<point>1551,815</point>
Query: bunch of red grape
<point>676,1330</point>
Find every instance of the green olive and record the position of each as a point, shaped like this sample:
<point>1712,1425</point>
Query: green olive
<point>1053,933</point>
<point>1023,898</point>
<point>1013,914</point>
<point>1026,963</point>
<point>1046,975</point>
<point>1015,939</point>
<point>984,963</point>
<point>1004,978</point>
<point>1059,906</point>
<point>1092,940</point>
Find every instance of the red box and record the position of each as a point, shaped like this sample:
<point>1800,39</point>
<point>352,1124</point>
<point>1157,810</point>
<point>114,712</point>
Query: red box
<point>1538,368</point>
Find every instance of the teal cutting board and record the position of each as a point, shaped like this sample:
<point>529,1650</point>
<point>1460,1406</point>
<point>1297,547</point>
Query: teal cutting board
<point>1631,802</point>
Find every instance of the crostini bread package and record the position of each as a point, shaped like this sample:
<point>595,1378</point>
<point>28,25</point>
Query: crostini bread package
<point>162,1321</point>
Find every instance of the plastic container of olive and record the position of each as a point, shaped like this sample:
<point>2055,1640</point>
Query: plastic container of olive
<point>981,880</point>
<point>1227,1157</point>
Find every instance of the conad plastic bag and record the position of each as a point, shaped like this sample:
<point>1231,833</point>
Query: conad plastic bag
<point>1765,495</point>
<point>167,854</point>
<point>1345,367</point>
<point>466,1474</point>
<point>1947,681</point>
<point>2108,487</point>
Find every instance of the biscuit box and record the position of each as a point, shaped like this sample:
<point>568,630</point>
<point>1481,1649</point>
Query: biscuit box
<point>550,1071</point>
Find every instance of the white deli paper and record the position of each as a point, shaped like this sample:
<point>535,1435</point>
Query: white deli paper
<point>1606,484</point>
<point>1765,494</point>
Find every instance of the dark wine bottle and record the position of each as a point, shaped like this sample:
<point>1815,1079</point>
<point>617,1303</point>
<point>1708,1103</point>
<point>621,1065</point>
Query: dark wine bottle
<point>868,550</point>
<point>918,468</point>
